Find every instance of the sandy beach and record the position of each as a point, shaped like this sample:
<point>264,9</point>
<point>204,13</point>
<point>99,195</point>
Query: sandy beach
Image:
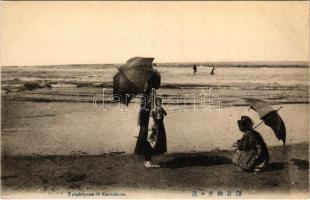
<point>69,147</point>
<point>181,175</point>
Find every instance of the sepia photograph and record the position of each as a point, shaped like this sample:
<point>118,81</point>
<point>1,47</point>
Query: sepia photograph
<point>155,99</point>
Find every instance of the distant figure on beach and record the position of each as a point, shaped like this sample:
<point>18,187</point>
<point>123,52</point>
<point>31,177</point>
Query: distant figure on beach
<point>158,115</point>
<point>195,69</point>
<point>251,152</point>
<point>212,72</point>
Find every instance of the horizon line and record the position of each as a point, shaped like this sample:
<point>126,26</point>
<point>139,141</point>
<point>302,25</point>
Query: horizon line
<point>178,62</point>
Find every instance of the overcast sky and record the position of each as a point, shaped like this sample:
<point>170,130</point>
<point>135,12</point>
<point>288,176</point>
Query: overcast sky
<point>35,33</point>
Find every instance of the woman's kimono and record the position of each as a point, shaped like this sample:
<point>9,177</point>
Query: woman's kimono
<point>251,151</point>
<point>159,128</point>
<point>142,145</point>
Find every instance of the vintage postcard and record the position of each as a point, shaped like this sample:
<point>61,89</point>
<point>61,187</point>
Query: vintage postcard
<point>163,99</point>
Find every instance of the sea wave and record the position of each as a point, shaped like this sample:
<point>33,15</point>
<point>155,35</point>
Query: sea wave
<point>81,83</point>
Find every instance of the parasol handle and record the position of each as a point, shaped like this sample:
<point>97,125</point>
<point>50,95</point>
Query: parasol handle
<point>119,69</point>
<point>258,124</point>
<point>263,121</point>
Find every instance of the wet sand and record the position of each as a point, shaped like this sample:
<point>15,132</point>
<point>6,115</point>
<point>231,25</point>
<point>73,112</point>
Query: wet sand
<point>59,128</point>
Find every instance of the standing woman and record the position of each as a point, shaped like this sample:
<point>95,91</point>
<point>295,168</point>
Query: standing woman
<point>143,145</point>
<point>158,115</point>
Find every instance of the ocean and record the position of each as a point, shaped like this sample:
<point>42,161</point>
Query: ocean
<point>230,84</point>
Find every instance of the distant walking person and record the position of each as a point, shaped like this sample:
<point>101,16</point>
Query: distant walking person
<point>251,151</point>
<point>195,69</point>
<point>212,72</point>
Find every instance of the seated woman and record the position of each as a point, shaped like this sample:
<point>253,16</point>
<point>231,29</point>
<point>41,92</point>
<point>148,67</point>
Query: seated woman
<point>251,152</point>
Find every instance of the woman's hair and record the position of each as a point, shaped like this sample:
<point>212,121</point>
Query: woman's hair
<point>245,123</point>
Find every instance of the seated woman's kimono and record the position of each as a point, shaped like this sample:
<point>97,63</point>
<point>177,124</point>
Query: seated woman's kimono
<point>251,151</point>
